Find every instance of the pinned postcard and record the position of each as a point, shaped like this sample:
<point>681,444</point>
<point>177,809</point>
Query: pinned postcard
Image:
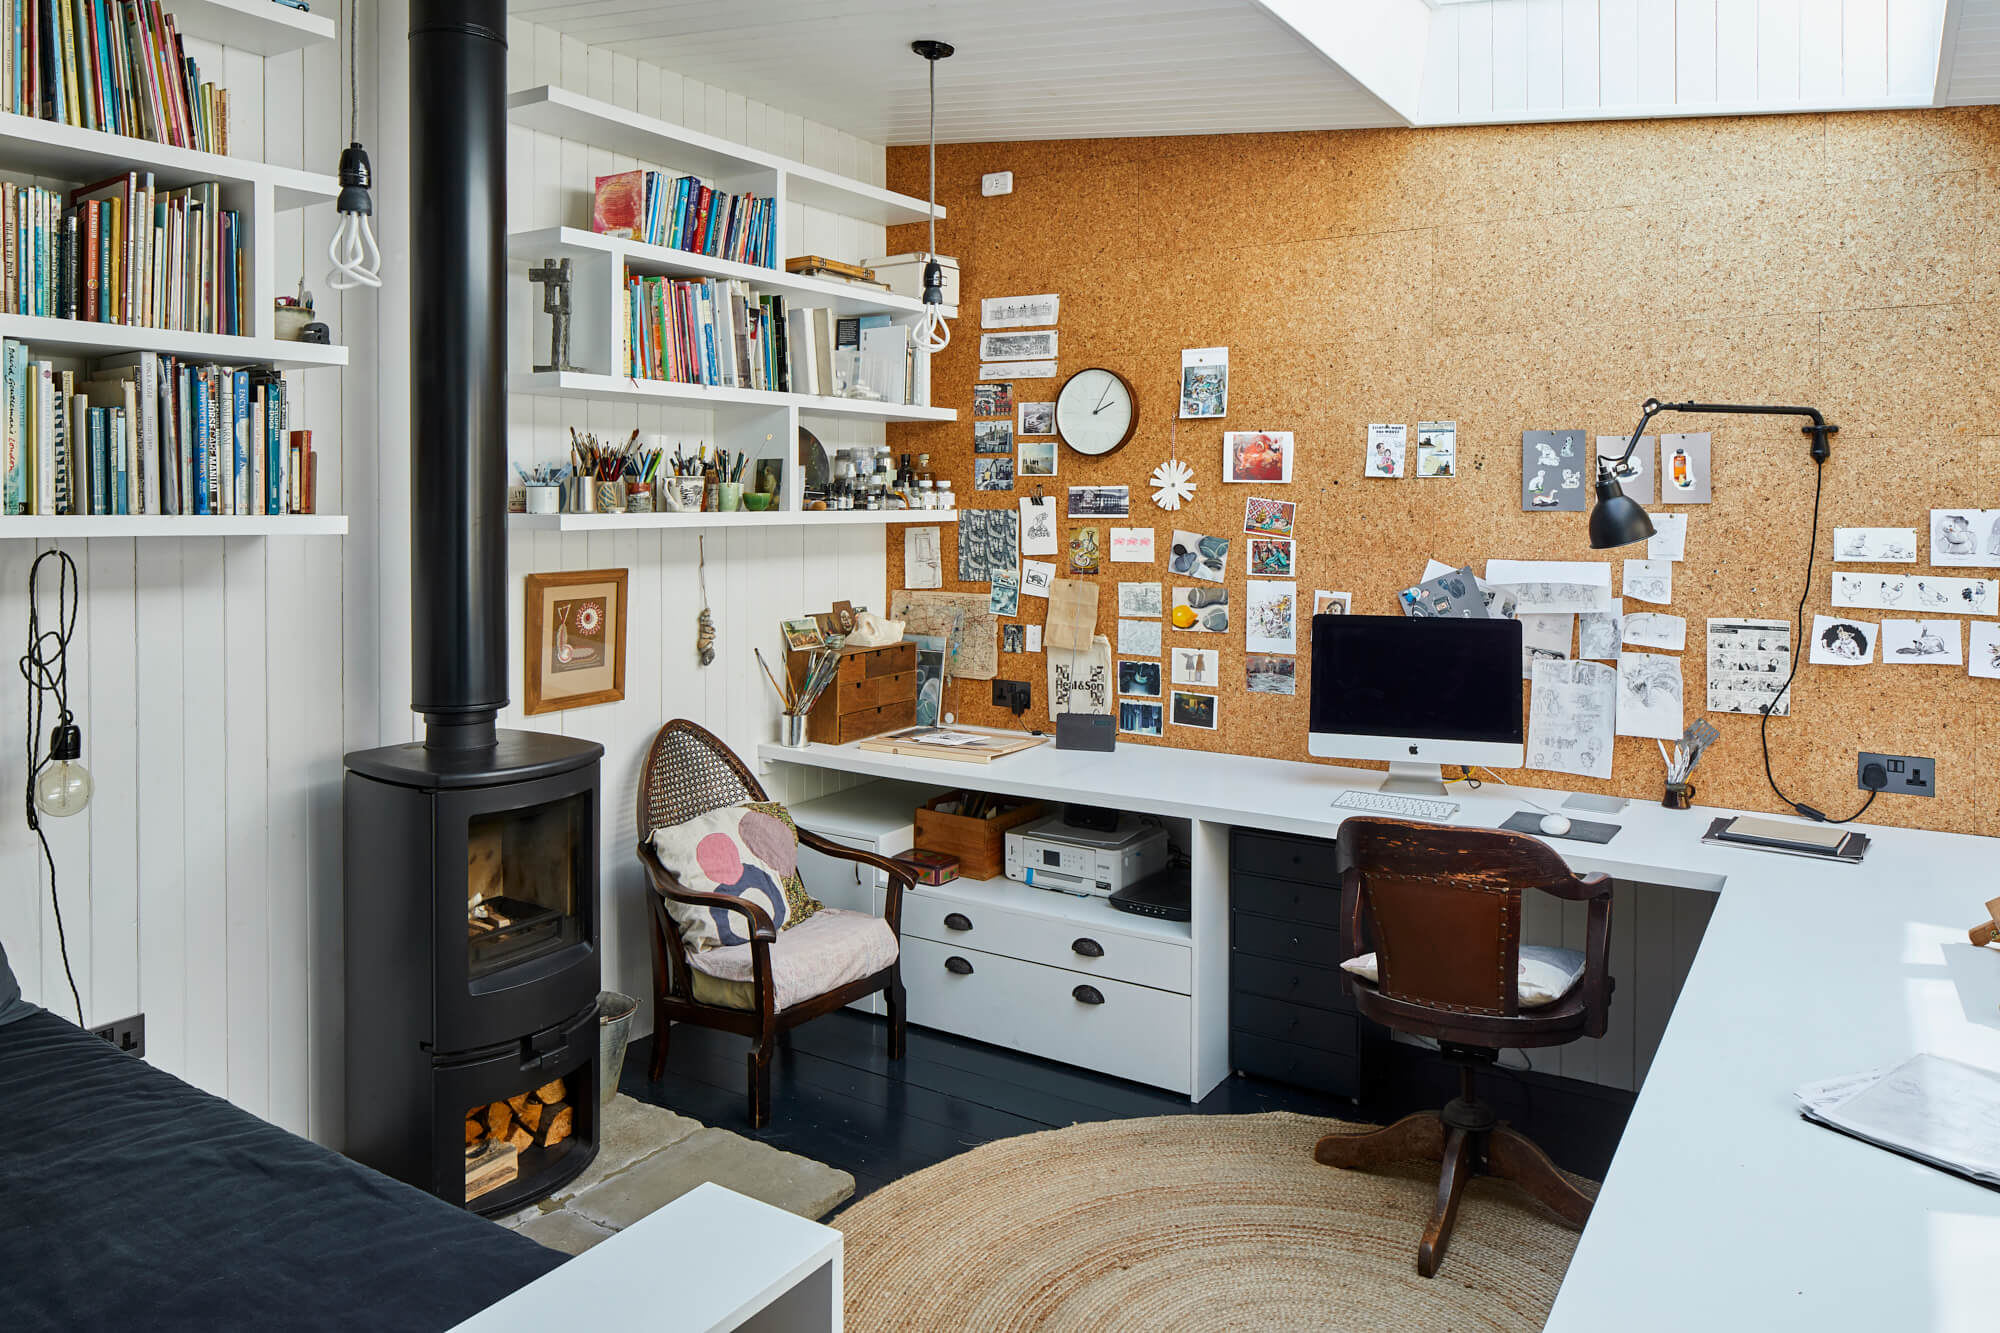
<point>1571,710</point>
<point>923,558</point>
<point>1038,525</point>
<point>1131,546</point>
<point>1205,610</point>
<point>1684,469</point>
<point>1086,554</point>
<point>1198,557</point>
<point>1257,455</point>
<point>1204,382</point>
<point>993,474</point>
<point>992,400</point>
<point>1839,641</point>
<point>1332,603</point>
<point>1140,599</point>
<point>1270,616</point>
<point>993,437</point>
<point>1197,666</point>
<point>1019,312</point>
<point>1036,419</point>
<point>1961,537</point>
<point>1270,557</point>
<point>1928,595</point>
<point>1649,696</point>
<point>1037,576</point>
<point>1437,448</point>
<point>1544,639</point>
<point>1385,449</point>
<point>1554,585</point>
<point>1875,546</point>
<point>1268,518</point>
<point>1922,642</point>
<point>1006,592</point>
<point>1140,678</point>
<point>1748,663</point>
<point>1635,475</point>
<point>1192,710</point>
<point>1670,537</point>
<point>1982,649</point>
<point>1140,638</point>
<point>1649,581</point>
<point>1599,633</point>
<point>1554,467</point>
<point>1654,629</point>
<point>1267,673</point>
<point>1037,459</point>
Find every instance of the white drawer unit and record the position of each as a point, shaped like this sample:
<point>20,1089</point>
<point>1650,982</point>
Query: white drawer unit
<point>1092,942</point>
<point>1129,1031</point>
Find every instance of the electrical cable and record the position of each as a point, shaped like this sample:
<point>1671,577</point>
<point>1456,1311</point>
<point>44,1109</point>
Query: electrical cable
<point>933,334</point>
<point>45,666</point>
<point>356,259</point>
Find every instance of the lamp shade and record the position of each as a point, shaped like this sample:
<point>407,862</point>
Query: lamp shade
<point>1616,519</point>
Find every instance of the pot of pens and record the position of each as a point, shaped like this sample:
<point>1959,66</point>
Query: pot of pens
<point>1694,743</point>
<point>542,487</point>
<point>796,699</point>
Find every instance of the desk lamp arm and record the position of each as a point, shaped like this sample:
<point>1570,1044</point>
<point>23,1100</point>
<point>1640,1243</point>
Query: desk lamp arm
<point>1820,431</point>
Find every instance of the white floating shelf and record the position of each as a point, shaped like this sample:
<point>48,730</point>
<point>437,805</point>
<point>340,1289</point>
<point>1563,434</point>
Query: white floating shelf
<point>263,26</point>
<point>840,297</point>
<point>80,337</point>
<point>52,148</point>
<point>783,518</point>
<point>70,526</point>
<point>582,384</point>
<point>568,115</point>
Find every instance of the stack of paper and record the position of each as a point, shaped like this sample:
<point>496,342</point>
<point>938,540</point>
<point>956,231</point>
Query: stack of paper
<point>1939,1111</point>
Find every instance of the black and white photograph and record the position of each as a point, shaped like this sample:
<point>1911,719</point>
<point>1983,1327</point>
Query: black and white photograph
<point>1100,502</point>
<point>1268,673</point>
<point>993,437</point>
<point>1019,312</point>
<point>1139,678</point>
<point>1193,710</point>
<point>1139,719</point>
<point>1038,418</point>
<point>1039,345</point>
<point>1014,638</point>
<point>993,474</point>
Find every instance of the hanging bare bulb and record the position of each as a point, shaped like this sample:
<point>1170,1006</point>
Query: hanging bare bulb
<point>933,334</point>
<point>356,259</point>
<point>64,786</point>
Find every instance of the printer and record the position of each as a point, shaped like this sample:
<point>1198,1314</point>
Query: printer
<point>1050,854</point>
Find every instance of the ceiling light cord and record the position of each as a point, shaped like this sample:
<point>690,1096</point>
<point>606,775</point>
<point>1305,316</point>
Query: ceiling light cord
<point>932,333</point>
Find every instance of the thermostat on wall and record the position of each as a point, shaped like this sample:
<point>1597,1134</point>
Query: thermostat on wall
<point>996,182</point>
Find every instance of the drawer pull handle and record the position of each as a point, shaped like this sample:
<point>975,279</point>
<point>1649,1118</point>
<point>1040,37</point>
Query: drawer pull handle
<point>958,966</point>
<point>1087,947</point>
<point>957,921</point>
<point>1088,994</point>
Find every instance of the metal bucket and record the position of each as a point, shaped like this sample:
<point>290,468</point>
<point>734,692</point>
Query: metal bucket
<point>614,1030</point>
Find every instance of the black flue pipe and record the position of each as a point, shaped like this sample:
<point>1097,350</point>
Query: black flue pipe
<point>458,393</point>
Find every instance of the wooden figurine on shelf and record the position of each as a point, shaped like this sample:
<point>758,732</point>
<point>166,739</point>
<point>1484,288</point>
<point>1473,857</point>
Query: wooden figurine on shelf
<point>555,277</point>
<point>1987,931</point>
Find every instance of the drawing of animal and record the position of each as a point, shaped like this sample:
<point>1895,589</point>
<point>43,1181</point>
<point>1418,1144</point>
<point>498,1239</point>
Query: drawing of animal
<point>1889,592</point>
<point>1843,640</point>
<point>1928,643</point>
<point>1572,479</point>
<point>1856,547</point>
<point>1901,550</point>
<point>1546,455</point>
<point>1955,536</point>
<point>1930,596</point>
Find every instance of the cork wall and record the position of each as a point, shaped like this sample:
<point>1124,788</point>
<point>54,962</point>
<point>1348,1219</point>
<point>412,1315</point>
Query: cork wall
<point>1516,278</point>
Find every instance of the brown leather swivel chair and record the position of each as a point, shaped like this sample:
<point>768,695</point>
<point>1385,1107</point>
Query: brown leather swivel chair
<point>1443,909</point>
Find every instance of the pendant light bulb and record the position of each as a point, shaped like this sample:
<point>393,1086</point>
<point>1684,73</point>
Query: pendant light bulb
<point>356,259</point>
<point>932,333</point>
<point>64,786</point>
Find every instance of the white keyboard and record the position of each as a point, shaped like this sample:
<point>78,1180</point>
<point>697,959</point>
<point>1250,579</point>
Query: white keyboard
<point>1402,807</point>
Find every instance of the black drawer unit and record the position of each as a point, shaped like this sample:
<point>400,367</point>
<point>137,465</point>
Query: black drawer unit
<point>1288,1020</point>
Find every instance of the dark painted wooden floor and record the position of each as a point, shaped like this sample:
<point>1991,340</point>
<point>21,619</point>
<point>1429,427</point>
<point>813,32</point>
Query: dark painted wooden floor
<point>838,1099</point>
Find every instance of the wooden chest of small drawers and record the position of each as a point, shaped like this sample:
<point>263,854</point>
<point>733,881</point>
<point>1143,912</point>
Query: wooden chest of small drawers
<point>875,691</point>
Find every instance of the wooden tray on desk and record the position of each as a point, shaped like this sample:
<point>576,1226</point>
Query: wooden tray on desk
<point>900,742</point>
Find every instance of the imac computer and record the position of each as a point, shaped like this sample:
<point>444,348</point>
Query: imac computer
<point>1418,692</point>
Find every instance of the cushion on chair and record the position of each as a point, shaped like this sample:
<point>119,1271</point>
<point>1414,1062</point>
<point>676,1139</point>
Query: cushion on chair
<point>1544,976</point>
<point>746,851</point>
<point>832,949</point>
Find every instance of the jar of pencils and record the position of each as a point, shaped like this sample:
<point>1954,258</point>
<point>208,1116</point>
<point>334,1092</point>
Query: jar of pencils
<point>728,496</point>
<point>611,497</point>
<point>638,498</point>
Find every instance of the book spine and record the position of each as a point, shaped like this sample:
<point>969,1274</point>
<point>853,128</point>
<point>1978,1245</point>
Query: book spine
<point>200,426</point>
<point>65,478</point>
<point>13,487</point>
<point>100,465</point>
<point>240,442</point>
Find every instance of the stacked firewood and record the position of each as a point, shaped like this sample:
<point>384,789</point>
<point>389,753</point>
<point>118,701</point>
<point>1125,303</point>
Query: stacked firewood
<point>497,1134</point>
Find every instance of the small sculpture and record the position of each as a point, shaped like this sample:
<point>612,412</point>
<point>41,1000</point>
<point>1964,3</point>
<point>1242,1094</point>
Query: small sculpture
<point>555,277</point>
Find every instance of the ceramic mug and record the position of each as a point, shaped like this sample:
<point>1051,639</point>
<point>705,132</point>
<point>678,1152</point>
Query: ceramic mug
<point>729,496</point>
<point>544,499</point>
<point>610,497</point>
<point>690,490</point>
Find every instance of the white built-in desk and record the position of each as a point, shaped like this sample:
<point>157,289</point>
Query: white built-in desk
<point>1722,1209</point>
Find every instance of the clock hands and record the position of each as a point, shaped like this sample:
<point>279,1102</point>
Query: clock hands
<point>1101,404</point>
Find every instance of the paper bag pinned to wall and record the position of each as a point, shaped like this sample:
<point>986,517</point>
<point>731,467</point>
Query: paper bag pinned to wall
<point>1072,615</point>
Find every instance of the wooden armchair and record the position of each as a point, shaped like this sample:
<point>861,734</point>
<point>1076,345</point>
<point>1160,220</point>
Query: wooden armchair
<point>1443,909</point>
<point>688,773</point>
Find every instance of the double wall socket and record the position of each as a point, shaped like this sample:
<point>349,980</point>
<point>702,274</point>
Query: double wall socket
<point>1906,775</point>
<point>127,1034</point>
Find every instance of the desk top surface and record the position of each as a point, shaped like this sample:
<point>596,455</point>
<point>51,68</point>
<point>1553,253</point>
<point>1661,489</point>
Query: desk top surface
<point>1722,1207</point>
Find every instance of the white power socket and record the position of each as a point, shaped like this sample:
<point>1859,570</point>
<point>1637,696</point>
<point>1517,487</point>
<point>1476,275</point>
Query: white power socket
<point>996,182</point>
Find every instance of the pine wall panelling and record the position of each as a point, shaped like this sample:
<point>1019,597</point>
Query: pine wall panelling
<point>202,885</point>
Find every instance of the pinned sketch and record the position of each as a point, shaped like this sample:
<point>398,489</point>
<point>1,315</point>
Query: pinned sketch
<point>1982,649</point>
<point>1140,599</point>
<point>1196,666</point>
<point>1257,455</point>
<point>992,400</point>
<point>1654,629</point>
<point>1131,546</point>
<point>1386,442</point>
<point>1649,581</point>
<point>1270,557</point>
<point>1038,525</point>
<point>1544,639</point>
<point>923,558</point>
<point>1080,678</point>
<point>1036,419</point>
<point>1635,476</point>
<point>1923,642</point>
<point>1205,610</point>
<point>1198,557</point>
<point>1140,678</point>
<point>1571,710</point>
<point>1019,312</point>
<point>1961,537</point>
<point>1267,673</point>
<point>1669,539</point>
<point>1140,638</point>
<point>1204,382</point>
<point>1270,616</point>
<point>1875,546</point>
<point>1437,448</point>
<point>1649,696</point>
<point>1927,595</point>
<point>1037,577</point>
<point>1332,603</point>
<point>1839,641</point>
<point>1268,518</point>
<point>1684,476</point>
<point>993,437</point>
<point>1748,662</point>
<point>1542,586</point>
<point>1554,467</point>
<point>1006,592</point>
<point>1454,594</point>
<point>1599,633</point>
<point>1037,346</point>
<point>1017,370</point>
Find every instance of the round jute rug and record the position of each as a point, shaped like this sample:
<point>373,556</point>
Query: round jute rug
<point>1194,1222</point>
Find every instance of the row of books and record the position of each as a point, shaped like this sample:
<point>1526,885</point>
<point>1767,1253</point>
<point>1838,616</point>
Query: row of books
<point>684,214</point>
<point>114,65</point>
<point>149,434</point>
<point>124,252</point>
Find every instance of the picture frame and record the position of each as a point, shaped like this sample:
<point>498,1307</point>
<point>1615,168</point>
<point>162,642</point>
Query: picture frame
<point>574,639</point>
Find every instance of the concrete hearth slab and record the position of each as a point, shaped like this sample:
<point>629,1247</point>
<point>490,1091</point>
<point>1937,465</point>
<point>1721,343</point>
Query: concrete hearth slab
<point>564,1230</point>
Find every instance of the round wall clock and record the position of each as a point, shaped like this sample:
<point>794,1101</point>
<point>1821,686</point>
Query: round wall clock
<point>1096,412</point>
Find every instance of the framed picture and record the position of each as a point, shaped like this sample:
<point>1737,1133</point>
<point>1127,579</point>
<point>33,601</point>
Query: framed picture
<point>575,640</point>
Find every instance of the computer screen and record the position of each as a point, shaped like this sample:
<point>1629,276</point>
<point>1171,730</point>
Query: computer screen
<point>1417,688</point>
